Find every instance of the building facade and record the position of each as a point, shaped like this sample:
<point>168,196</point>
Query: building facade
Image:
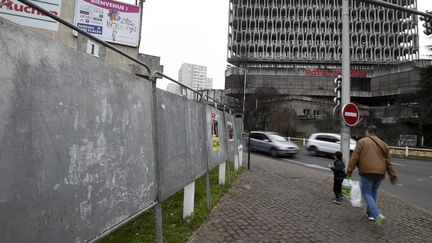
<point>194,76</point>
<point>310,31</point>
<point>295,48</point>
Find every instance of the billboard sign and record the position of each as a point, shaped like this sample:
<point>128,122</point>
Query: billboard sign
<point>111,21</point>
<point>19,13</point>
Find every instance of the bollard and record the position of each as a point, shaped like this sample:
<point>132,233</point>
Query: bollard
<point>240,149</point>
<point>406,151</point>
<point>236,163</point>
<point>188,200</point>
<point>222,168</point>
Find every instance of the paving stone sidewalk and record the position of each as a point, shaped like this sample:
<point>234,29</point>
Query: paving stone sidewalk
<point>276,201</point>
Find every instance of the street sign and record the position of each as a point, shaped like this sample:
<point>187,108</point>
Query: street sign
<point>350,114</point>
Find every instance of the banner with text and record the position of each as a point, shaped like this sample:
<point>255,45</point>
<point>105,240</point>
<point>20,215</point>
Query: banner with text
<point>108,20</point>
<point>22,14</point>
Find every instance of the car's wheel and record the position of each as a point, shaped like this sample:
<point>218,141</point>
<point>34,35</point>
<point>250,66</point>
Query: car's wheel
<point>313,151</point>
<point>274,153</point>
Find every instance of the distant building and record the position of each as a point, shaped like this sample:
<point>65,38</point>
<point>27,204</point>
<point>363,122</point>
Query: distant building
<point>195,77</point>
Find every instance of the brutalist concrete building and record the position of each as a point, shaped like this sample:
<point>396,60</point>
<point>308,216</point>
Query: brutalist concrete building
<point>295,47</point>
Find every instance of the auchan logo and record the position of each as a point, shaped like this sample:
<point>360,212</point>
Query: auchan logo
<point>22,8</point>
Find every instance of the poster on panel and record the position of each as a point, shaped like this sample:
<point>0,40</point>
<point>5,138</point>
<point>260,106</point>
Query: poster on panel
<point>19,13</point>
<point>215,132</point>
<point>108,20</point>
<point>230,129</point>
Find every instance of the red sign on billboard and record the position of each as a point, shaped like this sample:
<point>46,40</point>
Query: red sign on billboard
<point>350,114</point>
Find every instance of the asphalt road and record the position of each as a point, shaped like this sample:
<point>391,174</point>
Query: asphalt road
<point>415,177</point>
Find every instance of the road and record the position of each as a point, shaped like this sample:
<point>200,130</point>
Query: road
<point>415,177</point>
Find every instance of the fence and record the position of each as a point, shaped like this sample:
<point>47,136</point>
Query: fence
<point>84,148</point>
<point>395,151</point>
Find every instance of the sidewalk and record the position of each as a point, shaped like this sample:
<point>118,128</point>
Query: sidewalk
<point>276,201</point>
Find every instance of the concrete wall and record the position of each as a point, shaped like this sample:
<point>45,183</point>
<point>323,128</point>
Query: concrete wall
<point>76,144</point>
<point>77,153</point>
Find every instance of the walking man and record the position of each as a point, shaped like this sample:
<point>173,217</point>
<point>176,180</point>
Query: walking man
<point>372,158</point>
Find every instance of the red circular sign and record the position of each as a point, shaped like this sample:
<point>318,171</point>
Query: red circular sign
<point>350,114</point>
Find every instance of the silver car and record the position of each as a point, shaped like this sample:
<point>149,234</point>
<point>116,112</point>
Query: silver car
<point>272,143</point>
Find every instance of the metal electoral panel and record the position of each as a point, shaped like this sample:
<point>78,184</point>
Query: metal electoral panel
<point>76,143</point>
<point>231,136</point>
<point>217,136</point>
<point>181,145</point>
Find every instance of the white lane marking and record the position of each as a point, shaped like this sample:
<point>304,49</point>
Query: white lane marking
<point>398,164</point>
<point>425,179</point>
<point>308,165</point>
<point>418,163</point>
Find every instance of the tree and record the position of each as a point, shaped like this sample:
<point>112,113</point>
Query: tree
<point>259,105</point>
<point>424,99</point>
<point>283,120</point>
<point>327,122</point>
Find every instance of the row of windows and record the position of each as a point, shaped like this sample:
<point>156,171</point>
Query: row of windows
<point>355,15</point>
<point>323,26</point>
<point>310,53</point>
<point>320,14</point>
<point>315,3</point>
<point>324,40</point>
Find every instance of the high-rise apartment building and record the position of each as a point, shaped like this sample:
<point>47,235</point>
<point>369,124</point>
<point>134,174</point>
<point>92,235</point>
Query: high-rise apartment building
<point>310,31</point>
<point>194,76</point>
<point>295,47</point>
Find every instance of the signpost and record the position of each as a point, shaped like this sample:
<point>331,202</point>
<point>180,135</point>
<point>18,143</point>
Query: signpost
<point>350,114</point>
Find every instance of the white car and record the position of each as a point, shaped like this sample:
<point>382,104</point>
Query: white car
<point>326,143</point>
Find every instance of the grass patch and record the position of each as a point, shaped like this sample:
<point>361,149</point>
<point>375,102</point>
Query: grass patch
<point>175,229</point>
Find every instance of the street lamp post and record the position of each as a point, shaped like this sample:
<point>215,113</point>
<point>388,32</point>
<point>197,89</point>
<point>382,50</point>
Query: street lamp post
<point>244,85</point>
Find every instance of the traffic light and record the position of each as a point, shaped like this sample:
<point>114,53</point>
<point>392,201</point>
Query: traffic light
<point>338,90</point>
<point>427,24</point>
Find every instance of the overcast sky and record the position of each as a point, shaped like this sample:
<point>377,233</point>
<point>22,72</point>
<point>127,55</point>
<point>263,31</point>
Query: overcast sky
<point>195,31</point>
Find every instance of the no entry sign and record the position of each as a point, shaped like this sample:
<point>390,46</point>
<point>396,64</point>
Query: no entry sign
<point>350,114</point>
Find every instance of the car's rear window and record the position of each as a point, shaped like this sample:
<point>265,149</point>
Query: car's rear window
<point>327,138</point>
<point>277,138</point>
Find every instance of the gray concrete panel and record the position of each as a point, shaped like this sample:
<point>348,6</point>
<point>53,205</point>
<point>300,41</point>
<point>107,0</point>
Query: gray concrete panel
<point>76,143</point>
<point>221,155</point>
<point>180,142</point>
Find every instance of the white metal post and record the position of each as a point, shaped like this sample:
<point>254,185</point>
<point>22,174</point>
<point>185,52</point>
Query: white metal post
<point>188,200</point>
<point>346,80</point>
<point>222,170</point>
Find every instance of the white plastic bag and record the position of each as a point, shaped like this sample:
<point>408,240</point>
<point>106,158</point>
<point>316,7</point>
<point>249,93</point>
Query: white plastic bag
<point>346,188</point>
<point>356,196</point>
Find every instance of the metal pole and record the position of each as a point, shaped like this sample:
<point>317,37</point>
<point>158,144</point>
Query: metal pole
<point>346,79</point>
<point>249,150</point>
<point>158,208</point>
<point>227,144</point>
<point>205,132</point>
<point>244,90</point>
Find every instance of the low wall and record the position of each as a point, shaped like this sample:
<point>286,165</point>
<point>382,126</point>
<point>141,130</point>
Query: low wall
<point>412,152</point>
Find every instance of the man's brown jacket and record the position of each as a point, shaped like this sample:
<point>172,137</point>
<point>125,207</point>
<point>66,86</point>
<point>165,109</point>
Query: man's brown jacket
<point>372,156</point>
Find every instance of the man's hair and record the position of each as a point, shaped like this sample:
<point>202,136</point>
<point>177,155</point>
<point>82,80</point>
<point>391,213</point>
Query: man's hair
<point>372,129</point>
<point>338,154</point>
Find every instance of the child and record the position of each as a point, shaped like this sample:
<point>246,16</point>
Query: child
<point>338,169</point>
